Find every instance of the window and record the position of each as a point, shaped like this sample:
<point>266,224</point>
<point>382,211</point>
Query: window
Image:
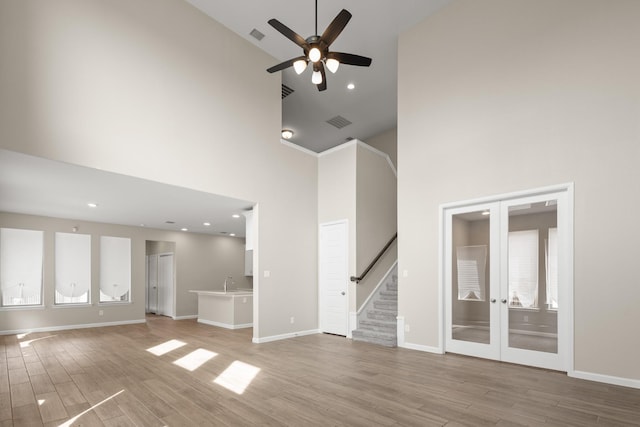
<point>73,268</point>
<point>115,269</point>
<point>21,267</point>
<point>552,268</point>
<point>471,263</point>
<point>523,269</point>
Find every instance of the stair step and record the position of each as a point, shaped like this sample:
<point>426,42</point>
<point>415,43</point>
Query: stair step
<point>386,305</point>
<point>385,315</point>
<point>393,286</point>
<point>387,340</point>
<point>378,326</point>
<point>389,295</point>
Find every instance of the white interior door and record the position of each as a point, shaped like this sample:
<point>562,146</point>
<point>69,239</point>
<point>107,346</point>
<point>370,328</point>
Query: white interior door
<point>334,277</point>
<point>165,285</point>
<point>507,278</point>
<point>152,284</point>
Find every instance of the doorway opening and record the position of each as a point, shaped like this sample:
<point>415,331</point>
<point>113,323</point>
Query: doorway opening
<point>160,278</point>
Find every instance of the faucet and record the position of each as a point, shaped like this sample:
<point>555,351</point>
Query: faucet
<point>227,279</point>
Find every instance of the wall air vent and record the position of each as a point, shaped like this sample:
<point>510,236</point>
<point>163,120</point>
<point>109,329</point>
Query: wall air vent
<point>256,34</point>
<point>339,122</point>
<point>286,91</point>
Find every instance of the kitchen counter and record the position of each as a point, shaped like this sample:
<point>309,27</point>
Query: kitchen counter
<point>231,309</point>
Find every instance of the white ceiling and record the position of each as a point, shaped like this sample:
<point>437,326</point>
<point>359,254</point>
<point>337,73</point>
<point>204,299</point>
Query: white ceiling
<point>373,32</point>
<point>36,186</point>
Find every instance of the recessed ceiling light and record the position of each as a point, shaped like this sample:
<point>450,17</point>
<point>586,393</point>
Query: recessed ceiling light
<point>184,229</point>
<point>287,134</point>
<point>486,213</point>
<point>351,86</point>
<point>92,205</point>
<point>235,216</point>
<point>206,224</point>
<point>232,234</point>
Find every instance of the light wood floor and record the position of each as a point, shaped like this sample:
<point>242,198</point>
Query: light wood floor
<point>106,376</point>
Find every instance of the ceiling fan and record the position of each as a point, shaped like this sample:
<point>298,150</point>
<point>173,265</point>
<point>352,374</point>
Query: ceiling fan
<point>316,50</point>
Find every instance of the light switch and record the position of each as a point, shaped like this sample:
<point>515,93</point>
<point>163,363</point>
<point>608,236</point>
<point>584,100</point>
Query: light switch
<point>405,273</point>
<point>267,273</point>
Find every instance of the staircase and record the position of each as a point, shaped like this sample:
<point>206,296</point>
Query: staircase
<point>379,325</point>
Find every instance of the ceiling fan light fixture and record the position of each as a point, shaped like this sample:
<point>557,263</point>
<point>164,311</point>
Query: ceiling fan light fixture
<point>316,78</point>
<point>315,54</point>
<point>332,64</point>
<point>299,66</point>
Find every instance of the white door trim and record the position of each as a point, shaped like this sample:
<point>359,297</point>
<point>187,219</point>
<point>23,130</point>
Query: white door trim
<point>568,328</point>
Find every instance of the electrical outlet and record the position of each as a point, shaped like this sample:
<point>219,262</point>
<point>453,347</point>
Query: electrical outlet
<point>100,312</point>
<point>293,320</point>
<point>267,273</point>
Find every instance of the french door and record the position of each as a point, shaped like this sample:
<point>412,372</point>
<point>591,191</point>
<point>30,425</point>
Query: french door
<point>507,279</point>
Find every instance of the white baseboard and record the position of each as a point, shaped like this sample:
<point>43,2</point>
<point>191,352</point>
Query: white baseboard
<point>419,347</point>
<point>608,379</point>
<point>353,323</point>
<point>285,336</point>
<point>191,316</point>
<point>68,327</point>
<point>225,325</point>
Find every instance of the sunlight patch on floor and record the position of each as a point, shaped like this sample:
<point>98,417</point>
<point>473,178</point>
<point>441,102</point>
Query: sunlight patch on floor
<point>71,421</point>
<point>20,336</point>
<point>41,402</point>
<point>166,347</point>
<point>195,359</point>
<point>237,376</point>
<point>24,344</point>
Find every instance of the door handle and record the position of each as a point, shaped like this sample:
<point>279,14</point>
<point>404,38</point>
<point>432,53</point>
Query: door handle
<point>493,300</point>
<point>504,300</point>
<point>343,293</point>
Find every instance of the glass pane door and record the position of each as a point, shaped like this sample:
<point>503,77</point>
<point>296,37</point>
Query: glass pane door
<point>530,293</point>
<point>470,276</point>
<point>506,272</point>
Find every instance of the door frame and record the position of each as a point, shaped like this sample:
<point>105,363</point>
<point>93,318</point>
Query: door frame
<point>321,298</point>
<point>172,298</point>
<point>568,248</point>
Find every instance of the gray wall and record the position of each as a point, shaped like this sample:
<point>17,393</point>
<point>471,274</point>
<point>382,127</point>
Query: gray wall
<point>201,262</point>
<point>500,96</point>
<point>158,90</point>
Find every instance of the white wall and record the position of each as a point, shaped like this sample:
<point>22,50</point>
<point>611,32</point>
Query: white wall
<point>504,95</point>
<point>156,89</point>
<point>357,183</point>
<point>201,262</point>
<point>376,217</point>
<point>337,198</point>
<point>387,142</point>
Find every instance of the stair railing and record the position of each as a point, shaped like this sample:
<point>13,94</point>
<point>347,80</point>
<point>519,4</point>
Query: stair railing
<point>359,278</point>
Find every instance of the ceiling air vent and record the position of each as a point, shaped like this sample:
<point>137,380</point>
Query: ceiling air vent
<point>256,34</point>
<point>339,122</point>
<point>286,91</point>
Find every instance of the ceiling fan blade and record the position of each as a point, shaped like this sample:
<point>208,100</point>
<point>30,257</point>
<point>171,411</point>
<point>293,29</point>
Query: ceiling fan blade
<point>335,28</point>
<point>285,64</point>
<point>322,86</point>
<point>289,33</point>
<point>350,59</point>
